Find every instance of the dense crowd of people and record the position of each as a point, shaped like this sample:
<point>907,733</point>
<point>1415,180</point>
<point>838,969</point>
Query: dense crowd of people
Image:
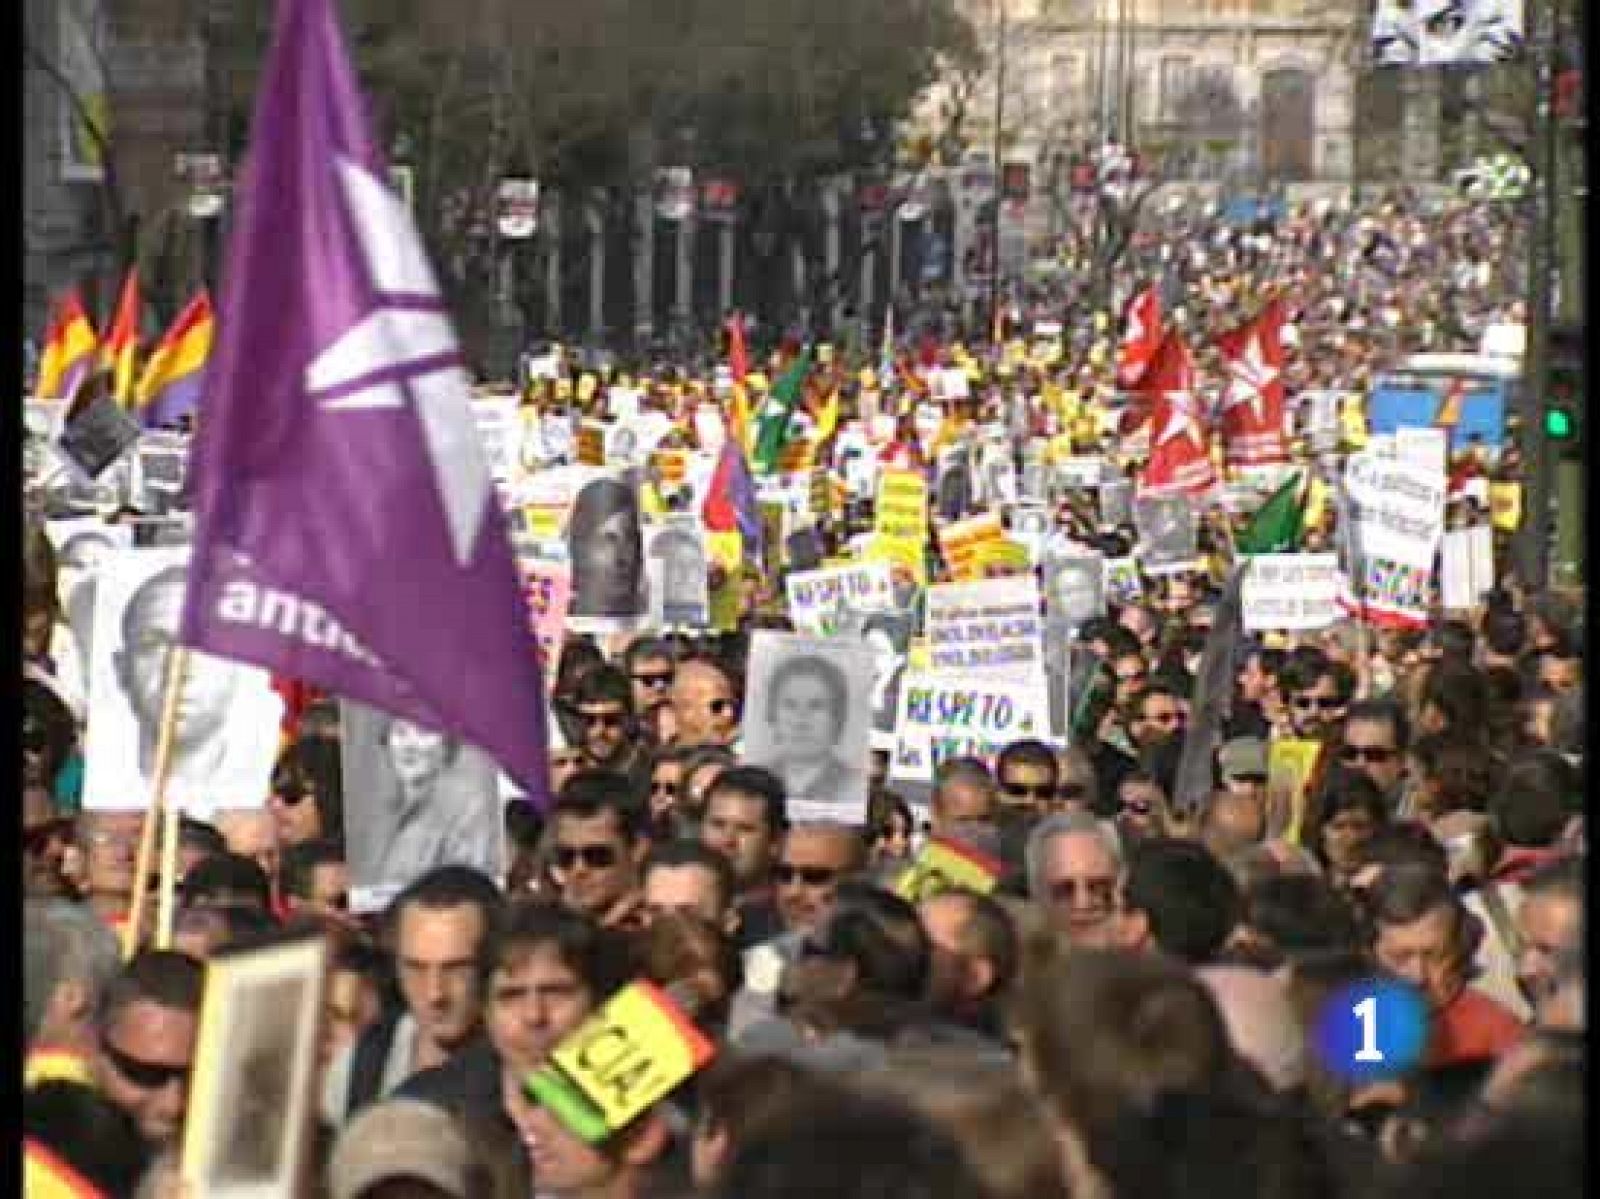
<point>1133,1008</point>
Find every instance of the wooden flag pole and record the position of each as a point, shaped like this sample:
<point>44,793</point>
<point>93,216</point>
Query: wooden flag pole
<point>177,664</point>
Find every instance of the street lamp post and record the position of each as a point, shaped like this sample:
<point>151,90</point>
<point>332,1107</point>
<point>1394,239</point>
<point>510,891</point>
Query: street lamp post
<point>999,114</point>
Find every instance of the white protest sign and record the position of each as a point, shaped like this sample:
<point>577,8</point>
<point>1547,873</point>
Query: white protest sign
<point>499,427</point>
<point>1466,567</point>
<point>993,625</point>
<point>1291,592</point>
<point>1395,511</point>
<point>1425,447</point>
<point>943,716</point>
<point>816,597</point>
<point>1078,472</point>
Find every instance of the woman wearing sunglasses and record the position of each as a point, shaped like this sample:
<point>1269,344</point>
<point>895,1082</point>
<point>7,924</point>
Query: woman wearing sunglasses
<point>307,800</point>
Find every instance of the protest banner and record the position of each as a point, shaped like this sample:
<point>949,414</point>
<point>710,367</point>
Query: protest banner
<point>1029,525</point>
<point>817,597</point>
<point>1290,764</point>
<point>961,542</point>
<point>946,715</point>
<point>1123,584</point>
<point>1395,516</point>
<point>900,529</point>
<point>1426,447</point>
<point>1291,592</point>
<point>1077,472</point>
<point>500,433</point>
<point>1074,588</point>
<point>1505,506</point>
<point>998,559</point>
<point>1466,567</point>
<point>1168,538</point>
<point>625,1057</point>
<point>992,625</point>
<point>1116,501</point>
<point>675,572</point>
<point>547,586</point>
<point>943,864</point>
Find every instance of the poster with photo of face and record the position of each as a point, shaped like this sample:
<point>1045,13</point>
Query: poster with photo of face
<point>808,719</point>
<point>414,799</point>
<point>1075,589</point>
<point>605,544</point>
<point>677,567</point>
<point>227,715</point>
<point>888,637</point>
<point>82,546</point>
<point>1168,536</point>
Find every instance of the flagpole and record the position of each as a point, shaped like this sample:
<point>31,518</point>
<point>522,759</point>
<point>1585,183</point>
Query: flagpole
<point>177,665</point>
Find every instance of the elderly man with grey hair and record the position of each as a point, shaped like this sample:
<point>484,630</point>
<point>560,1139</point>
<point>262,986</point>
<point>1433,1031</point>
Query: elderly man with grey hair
<point>1074,870</point>
<point>68,958</point>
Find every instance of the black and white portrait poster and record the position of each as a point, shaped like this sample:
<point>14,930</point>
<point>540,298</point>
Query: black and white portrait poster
<point>1074,589</point>
<point>413,799</point>
<point>808,718</point>
<point>82,545</point>
<point>225,734</point>
<point>1168,536</point>
<point>606,547</point>
<point>1116,501</point>
<point>1029,524</point>
<point>676,566</point>
<point>888,637</point>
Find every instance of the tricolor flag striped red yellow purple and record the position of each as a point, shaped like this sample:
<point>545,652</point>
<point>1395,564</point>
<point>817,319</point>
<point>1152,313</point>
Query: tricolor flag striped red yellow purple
<point>69,349</point>
<point>170,385</point>
<point>119,353</point>
<point>46,1176</point>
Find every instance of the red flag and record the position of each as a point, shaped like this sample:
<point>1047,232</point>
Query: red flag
<point>738,357</point>
<point>1252,412</point>
<point>1179,461</point>
<point>1141,337</point>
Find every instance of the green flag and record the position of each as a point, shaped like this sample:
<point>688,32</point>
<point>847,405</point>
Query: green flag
<point>772,427</point>
<point>1277,524</point>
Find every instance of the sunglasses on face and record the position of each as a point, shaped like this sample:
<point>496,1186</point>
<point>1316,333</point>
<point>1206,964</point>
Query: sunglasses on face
<point>1023,791</point>
<point>1328,703</point>
<point>292,798</point>
<point>654,680</point>
<point>663,787</point>
<point>1098,891</point>
<point>1376,754</point>
<point>595,857</point>
<point>605,720</point>
<point>1072,793</point>
<point>147,1076</point>
<point>807,876</point>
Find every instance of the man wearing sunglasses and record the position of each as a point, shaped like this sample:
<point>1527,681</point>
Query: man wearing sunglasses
<point>1374,742</point>
<point>649,662</point>
<point>46,837</point>
<point>145,1033</point>
<point>603,703</point>
<point>1318,692</point>
<point>599,848</point>
<point>704,709</point>
<point>1028,777</point>
<point>1074,866</point>
<point>816,856</point>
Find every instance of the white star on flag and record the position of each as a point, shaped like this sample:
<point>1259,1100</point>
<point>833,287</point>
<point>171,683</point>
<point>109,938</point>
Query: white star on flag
<point>1251,374</point>
<point>1180,418</point>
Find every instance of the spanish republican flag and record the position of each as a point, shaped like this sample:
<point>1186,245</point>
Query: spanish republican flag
<point>69,349</point>
<point>121,346</point>
<point>170,385</point>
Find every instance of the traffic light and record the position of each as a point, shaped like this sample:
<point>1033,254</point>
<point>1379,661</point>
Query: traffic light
<point>1559,424</point>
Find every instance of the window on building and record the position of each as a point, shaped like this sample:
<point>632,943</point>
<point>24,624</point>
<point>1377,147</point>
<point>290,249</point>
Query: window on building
<point>1177,75</point>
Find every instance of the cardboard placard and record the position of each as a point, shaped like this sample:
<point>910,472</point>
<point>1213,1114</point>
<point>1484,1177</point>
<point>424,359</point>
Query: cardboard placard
<point>992,625</point>
<point>1291,592</point>
<point>945,715</point>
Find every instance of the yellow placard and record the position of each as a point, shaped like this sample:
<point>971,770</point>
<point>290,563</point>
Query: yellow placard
<point>918,655</point>
<point>902,506</point>
<point>591,444</point>
<point>631,1052</point>
<point>1505,506</point>
<point>543,521</point>
<point>727,551</point>
<point>1290,764</point>
<point>945,865</point>
<point>46,1176</point>
<point>586,386</point>
<point>671,465</point>
<point>963,541</point>
<point>1003,557</point>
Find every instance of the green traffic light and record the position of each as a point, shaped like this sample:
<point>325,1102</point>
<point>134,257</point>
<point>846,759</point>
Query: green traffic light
<point>1557,424</point>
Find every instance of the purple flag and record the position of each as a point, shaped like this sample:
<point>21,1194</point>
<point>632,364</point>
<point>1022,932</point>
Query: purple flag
<point>347,531</point>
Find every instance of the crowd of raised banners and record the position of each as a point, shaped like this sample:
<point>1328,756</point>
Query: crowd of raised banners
<point>962,512</point>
